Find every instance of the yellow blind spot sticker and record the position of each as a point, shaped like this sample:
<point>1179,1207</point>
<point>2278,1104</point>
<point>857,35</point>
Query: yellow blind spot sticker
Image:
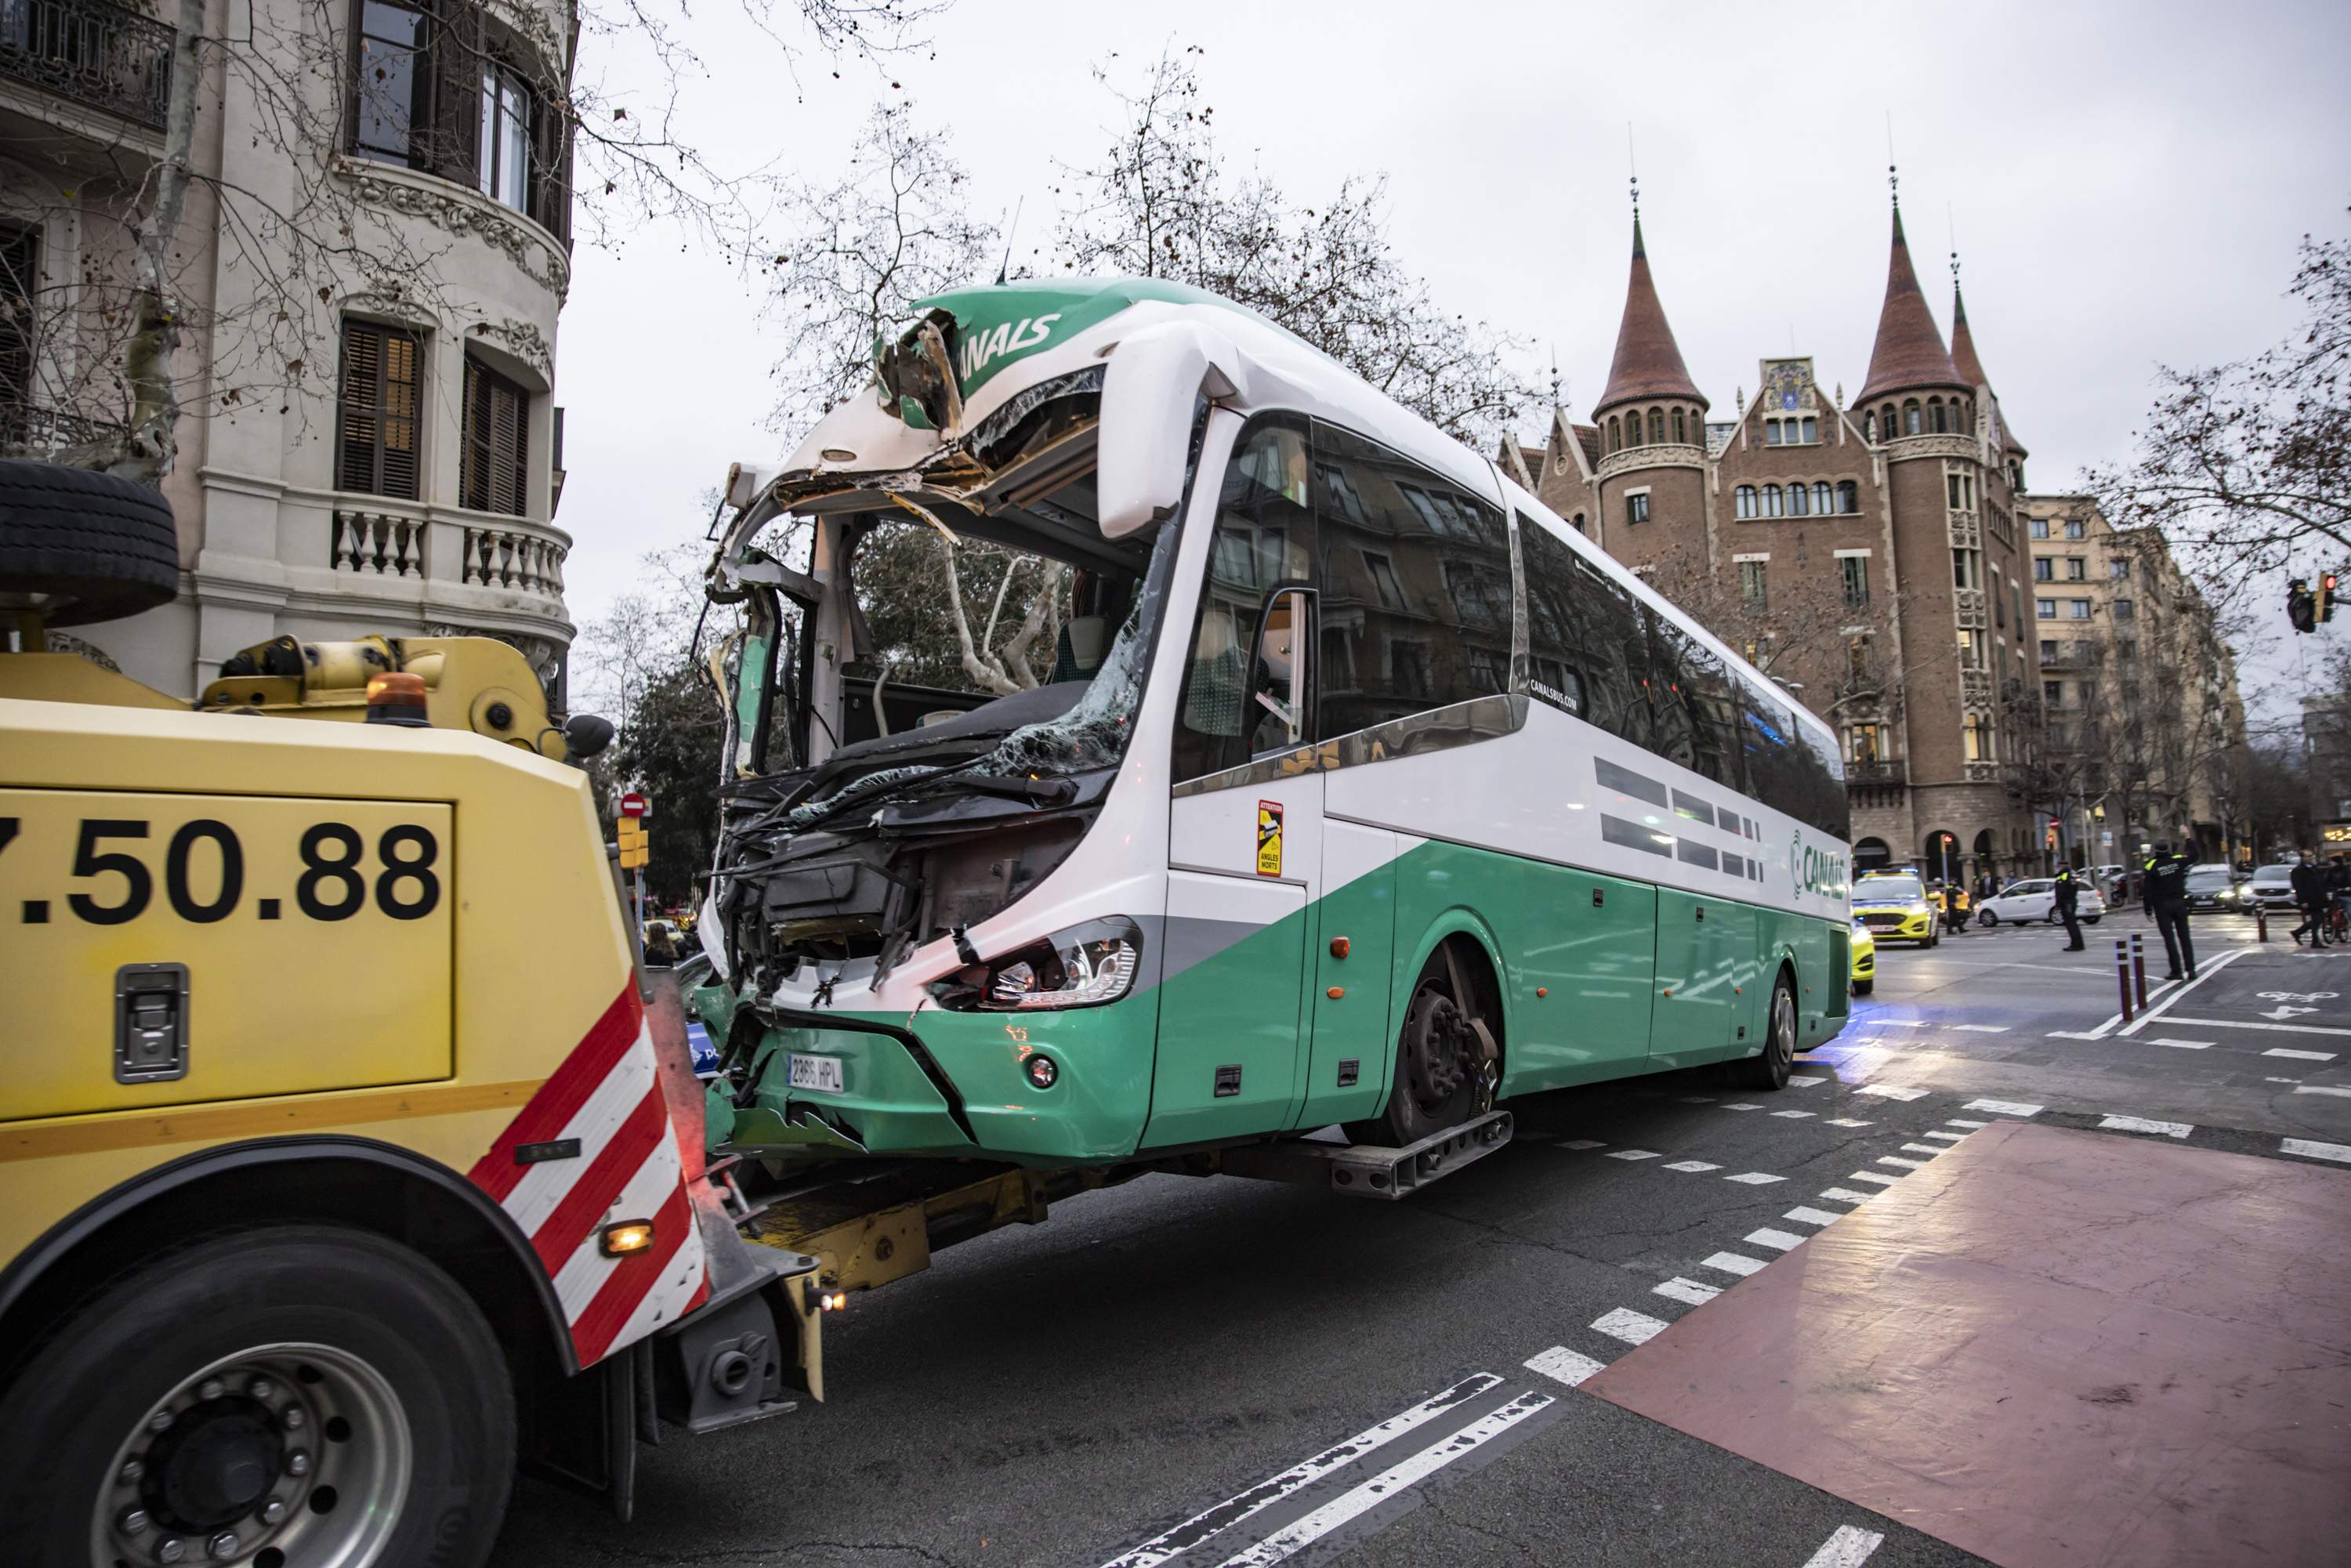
<point>1269,838</point>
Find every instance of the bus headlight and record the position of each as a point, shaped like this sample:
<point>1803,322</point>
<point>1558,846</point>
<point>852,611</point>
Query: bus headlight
<point>1083,967</point>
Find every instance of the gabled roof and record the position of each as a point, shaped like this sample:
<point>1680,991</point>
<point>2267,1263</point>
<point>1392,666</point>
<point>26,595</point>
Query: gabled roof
<point>1648,362</point>
<point>1909,350</point>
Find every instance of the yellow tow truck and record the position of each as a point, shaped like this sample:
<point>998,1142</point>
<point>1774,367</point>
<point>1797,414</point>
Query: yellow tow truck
<point>347,1158</point>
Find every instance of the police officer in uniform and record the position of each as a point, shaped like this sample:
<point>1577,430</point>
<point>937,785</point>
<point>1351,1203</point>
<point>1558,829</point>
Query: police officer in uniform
<point>2167,900</point>
<point>2068,894</point>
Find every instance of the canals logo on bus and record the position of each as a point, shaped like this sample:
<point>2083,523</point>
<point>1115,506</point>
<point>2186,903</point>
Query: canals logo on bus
<point>1812,870</point>
<point>982,346</point>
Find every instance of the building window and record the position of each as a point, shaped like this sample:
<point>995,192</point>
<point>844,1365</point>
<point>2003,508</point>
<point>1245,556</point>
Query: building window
<point>1578,522</point>
<point>1656,427</point>
<point>2118,569</point>
<point>2039,529</point>
<point>2044,569</point>
<point>1935,416</point>
<point>1869,427</point>
<point>1384,579</point>
<point>376,416</point>
<point>1744,499</point>
<point>1753,591</point>
<point>1636,507</point>
<point>1848,497</point>
<point>1616,436</point>
<point>1978,739</point>
<point>1770,432</point>
<point>2124,610</point>
<point>1910,424</point>
<point>2076,528</point>
<point>1863,744</point>
<point>494,474</point>
<point>1967,569</point>
<point>2054,693</point>
<point>1771,502</point>
<point>2076,570</point>
<point>1855,569</point>
<point>395,87</point>
<point>2077,610</point>
<point>1681,434</point>
<point>1799,506</point>
<point>2044,609</point>
<point>506,136</point>
<point>1970,650</point>
<point>2125,649</point>
<point>1823,499</point>
<point>2048,650</point>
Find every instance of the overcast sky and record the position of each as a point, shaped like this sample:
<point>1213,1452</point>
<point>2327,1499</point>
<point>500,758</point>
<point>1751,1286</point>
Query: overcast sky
<point>2128,182</point>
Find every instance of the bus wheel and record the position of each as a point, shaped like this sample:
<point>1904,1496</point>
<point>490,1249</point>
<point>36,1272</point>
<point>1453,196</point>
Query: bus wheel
<point>1447,1066</point>
<point>301,1395</point>
<point>1770,1070</point>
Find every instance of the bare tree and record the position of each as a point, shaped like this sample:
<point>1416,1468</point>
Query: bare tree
<point>2242,462</point>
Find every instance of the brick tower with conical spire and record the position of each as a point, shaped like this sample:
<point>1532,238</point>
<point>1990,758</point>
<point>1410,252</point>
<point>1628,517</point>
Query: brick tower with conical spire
<point>1651,479</point>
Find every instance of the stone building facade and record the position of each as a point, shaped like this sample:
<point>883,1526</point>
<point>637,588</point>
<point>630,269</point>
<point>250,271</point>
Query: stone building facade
<point>374,256</point>
<point>2138,691</point>
<point>1866,555</point>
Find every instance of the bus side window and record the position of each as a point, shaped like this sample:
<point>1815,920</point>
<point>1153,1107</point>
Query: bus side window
<point>1264,538</point>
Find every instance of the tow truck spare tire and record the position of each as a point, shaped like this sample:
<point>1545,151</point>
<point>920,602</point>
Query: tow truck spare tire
<point>91,547</point>
<point>299,1395</point>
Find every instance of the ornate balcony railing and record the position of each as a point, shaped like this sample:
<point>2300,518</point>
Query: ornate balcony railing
<point>27,431</point>
<point>1873,775</point>
<point>382,538</point>
<point>93,52</point>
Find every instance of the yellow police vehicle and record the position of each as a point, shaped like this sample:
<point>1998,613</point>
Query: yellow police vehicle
<point>1894,907</point>
<point>345,1163</point>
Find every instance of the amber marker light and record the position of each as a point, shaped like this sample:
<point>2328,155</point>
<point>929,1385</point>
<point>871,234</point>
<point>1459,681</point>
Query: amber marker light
<point>624,1237</point>
<point>396,697</point>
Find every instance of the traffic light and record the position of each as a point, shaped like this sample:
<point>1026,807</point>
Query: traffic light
<point>2326,597</point>
<point>2301,608</point>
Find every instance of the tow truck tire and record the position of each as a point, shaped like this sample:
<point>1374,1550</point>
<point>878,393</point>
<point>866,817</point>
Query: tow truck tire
<point>102,548</point>
<point>329,1377</point>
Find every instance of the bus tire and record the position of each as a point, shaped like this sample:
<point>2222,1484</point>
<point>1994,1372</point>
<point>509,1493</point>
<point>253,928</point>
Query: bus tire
<point>319,1394</point>
<point>1446,1065</point>
<point>95,546</point>
<point>1770,1069</point>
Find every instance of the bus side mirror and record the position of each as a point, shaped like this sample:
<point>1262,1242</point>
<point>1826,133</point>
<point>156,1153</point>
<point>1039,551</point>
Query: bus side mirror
<point>1153,380</point>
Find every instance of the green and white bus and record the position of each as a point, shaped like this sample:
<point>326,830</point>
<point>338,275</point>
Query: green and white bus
<point>1363,792</point>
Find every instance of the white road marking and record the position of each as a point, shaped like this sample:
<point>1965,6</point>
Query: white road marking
<point>1811,1217</point>
<point>2321,1089</point>
<point>1584,1144</point>
<point>1742,1105</point>
<point>1922,1149</point>
<point>2179,990</point>
<point>1740,1264</point>
<point>1800,1115</point>
<point>1849,1548</point>
<point>1949,1137</point>
<point>1632,1327</point>
<point>2277,1080</point>
<point>1631,1155</point>
<point>1849,1122</point>
<point>1756,1178</point>
<point>1963,1122</point>
<point>1692,1166</point>
<point>1804,1082</point>
<point>1690,1291</point>
<point>1564,1365</point>
<point>1899,1160</point>
<point>2274,1028</point>
<point>2073,1034</point>
<point>2188,1044</point>
<point>1980,1028</point>
<point>1892,1092</point>
<point>2301,1055</point>
<point>1880,1177</point>
<point>2141,1124</point>
<point>1182,1538</point>
<point>2003,1107</point>
<point>1303,1532</point>
<point>1778,1240</point>
<point>2303,1147</point>
<point>1904,1023</point>
<point>1695,1100</point>
<point>1847,1194</point>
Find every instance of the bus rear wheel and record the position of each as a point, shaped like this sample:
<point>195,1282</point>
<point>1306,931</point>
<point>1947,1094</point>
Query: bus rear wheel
<point>1770,1069</point>
<point>1447,1065</point>
<point>299,1395</point>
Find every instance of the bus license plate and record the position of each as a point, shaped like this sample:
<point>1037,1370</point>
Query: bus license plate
<point>820,1072</point>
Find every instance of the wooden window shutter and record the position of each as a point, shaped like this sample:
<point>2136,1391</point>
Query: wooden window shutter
<point>496,475</point>
<point>550,173</point>
<point>448,146</point>
<point>377,435</point>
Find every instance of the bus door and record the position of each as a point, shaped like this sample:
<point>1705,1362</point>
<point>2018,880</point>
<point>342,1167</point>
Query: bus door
<point>1245,846</point>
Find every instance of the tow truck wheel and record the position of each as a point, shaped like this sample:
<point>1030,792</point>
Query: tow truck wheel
<point>290,1396</point>
<point>1447,1066</point>
<point>1770,1069</point>
<point>89,546</point>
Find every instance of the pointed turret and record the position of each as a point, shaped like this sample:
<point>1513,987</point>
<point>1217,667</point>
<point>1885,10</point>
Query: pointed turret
<point>1963,342</point>
<point>1648,362</point>
<point>1909,350</point>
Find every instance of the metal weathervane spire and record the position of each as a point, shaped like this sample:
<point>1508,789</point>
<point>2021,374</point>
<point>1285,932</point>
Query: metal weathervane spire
<point>1893,175</point>
<point>1953,223</point>
<point>1633,167</point>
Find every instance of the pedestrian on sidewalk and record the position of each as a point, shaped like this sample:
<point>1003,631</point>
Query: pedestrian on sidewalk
<point>2069,893</point>
<point>2167,900</point>
<point>2309,884</point>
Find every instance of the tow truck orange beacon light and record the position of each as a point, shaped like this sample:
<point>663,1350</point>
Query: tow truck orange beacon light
<point>396,697</point>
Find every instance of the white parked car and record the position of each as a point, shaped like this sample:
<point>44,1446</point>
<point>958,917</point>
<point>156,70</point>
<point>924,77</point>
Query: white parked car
<point>2273,886</point>
<point>2035,898</point>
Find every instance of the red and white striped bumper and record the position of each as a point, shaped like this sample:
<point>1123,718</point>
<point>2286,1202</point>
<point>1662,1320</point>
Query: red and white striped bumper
<point>607,1095</point>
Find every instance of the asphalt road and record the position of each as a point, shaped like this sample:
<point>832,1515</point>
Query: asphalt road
<point>1080,1391</point>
